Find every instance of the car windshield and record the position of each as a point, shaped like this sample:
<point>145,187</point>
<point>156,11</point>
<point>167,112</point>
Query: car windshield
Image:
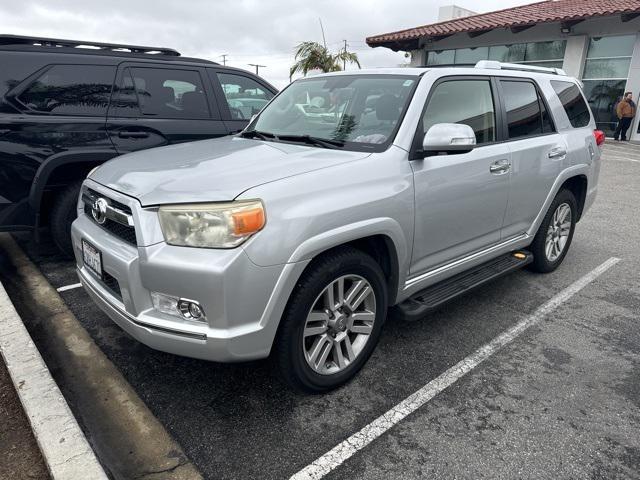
<point>355,112</point>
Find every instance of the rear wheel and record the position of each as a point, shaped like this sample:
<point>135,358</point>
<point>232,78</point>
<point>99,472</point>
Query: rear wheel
<point>554,236</point>
<point>63,213</point>
<point>332,322</point>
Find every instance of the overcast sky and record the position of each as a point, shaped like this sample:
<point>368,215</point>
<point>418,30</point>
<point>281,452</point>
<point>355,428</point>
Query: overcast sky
<point>249,31</point>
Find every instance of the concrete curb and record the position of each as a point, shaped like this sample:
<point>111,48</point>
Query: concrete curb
<point>64,447</point>
<point>129,440</point>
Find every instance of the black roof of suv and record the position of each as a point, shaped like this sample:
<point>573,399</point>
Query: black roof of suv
<point>67,106</point>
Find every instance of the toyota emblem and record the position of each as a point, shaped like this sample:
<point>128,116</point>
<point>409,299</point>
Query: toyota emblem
<point>99,210</point>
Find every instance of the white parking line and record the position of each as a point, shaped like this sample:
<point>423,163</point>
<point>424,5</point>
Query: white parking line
<point>343,451</point>
<point>69,287</point>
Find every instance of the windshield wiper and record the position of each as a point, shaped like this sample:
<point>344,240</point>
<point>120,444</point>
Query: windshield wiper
<point>256,133</point>
<point>319,142</point>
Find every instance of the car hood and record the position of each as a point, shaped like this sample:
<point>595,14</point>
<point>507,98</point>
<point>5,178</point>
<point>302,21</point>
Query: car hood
<point>211,170</point>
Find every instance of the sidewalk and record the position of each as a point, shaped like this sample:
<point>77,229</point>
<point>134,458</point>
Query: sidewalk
<point>20,457</point>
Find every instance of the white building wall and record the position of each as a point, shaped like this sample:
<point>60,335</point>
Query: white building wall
<point>418,58</point>
<point>575,54</point>
<point>449,12</point>
<point>633,85</point>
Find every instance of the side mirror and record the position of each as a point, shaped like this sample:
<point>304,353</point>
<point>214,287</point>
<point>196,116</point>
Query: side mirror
<point>448,138</point>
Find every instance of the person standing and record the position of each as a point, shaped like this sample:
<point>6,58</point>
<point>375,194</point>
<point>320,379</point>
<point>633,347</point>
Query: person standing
<point>625,111</point>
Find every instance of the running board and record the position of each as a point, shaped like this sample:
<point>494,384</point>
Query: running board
<point>429,299</point>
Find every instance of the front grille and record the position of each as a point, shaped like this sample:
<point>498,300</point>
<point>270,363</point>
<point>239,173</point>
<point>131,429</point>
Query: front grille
<point>114,203</point>
<point>112,285</point>
<point>124,232</point>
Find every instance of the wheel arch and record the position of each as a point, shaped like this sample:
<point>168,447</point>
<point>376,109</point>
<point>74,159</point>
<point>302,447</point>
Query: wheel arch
<point>575,177</point>
<point>66,167</point>
<point>578,186</point>
<point>381,248</point>
<point>382,238</point>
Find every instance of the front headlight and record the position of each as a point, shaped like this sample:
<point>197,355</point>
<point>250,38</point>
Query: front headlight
<point>212,225</point>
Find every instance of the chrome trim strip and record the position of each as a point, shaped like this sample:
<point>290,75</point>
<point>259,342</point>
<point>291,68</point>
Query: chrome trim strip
<point>461,261</point>
<point>87,284</point>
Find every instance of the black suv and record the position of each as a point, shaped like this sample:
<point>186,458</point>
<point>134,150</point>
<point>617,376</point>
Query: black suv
<point>68,106</point>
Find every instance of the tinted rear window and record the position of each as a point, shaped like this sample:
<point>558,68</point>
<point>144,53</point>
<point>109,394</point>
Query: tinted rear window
<point>573,103</point>
<point>524,116</point>
<point>70,90</point>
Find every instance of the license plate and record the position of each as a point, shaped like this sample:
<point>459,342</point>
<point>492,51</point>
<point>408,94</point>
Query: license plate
<point>92,258</point>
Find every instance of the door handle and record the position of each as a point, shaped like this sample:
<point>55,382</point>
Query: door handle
<point>557,153</point>
<point>500,167</point>
<point>125,134</point>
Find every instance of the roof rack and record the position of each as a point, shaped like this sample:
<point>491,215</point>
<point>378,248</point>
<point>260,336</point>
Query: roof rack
<point>55,42</point>
<point>447,65</point>
<point>495,65</point>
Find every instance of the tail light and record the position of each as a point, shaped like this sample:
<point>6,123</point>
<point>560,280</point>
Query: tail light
<point>599,134</point>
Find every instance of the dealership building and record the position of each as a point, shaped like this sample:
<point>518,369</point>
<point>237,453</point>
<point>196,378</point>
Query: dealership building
<point>597,41</point>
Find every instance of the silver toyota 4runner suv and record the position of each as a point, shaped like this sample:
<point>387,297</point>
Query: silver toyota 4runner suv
<point>350,193</point>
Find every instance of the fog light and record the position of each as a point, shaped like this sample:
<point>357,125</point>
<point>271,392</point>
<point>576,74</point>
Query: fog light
<point>178,307</point>
<point>190,309</point>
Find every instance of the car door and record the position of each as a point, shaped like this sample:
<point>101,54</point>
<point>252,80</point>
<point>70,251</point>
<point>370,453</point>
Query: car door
<point>47,117</point>
<point>537,152</point>
<point>157,104</point>
<point>241,96</point>
<point>460,199</point>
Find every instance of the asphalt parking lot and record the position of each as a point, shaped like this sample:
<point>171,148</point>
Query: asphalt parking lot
<point>561,401</point>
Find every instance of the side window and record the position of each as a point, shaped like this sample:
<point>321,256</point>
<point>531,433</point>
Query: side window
<point>573,103</point>
<point>469,102</point>
<point>161,93</point>
<point>245,96</point>
<point>124,101</point>
<point>526,114</point>
<point>71,90</point>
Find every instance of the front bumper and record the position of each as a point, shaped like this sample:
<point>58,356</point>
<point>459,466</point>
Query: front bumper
<point>243,302</point>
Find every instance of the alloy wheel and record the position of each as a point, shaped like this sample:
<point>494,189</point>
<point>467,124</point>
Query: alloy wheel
<point>558,232</point>
<point>339,324</point>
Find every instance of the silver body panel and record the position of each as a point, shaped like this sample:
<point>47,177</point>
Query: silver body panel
<point>442,215</point>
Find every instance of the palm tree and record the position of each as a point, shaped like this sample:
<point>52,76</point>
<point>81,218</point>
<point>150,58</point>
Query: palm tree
<point>313,56</point>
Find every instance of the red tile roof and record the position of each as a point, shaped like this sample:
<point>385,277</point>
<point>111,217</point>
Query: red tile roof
<point>541,12</point>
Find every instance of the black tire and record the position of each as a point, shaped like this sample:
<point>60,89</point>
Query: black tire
<point>541,263</point>
<point>63,213</point>
<point>288,347</point>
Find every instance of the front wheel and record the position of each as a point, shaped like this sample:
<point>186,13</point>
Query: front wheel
<point>332,322</point>
<point>63,214</point>
<point>554,236</point>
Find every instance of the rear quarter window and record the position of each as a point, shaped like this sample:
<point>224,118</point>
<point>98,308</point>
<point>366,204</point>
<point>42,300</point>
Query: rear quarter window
<point>70,90</point>
<point>573,103</point>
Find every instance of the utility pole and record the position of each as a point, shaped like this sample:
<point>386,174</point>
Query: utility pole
<point>224,58</point>
<point>344,59</point>
<point>257,67</point>
<point>324,40</point>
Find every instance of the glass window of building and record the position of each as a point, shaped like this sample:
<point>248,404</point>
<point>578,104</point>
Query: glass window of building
<point>544,54</point>
<point>442,57</point>
<point>605,75</point>
<point>471,56</point>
